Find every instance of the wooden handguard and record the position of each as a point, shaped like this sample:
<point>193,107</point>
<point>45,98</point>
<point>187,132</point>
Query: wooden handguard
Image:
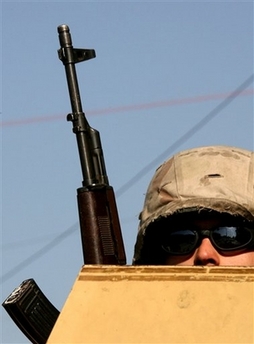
<point>100,230</point>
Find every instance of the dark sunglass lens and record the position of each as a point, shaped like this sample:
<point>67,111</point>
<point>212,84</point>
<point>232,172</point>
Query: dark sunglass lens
<point>180,242</point>
<point>231,238</point>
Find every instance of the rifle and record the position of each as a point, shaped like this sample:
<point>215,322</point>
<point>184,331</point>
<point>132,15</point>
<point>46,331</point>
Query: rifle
<point>99,223</point>
<point>101,234</point>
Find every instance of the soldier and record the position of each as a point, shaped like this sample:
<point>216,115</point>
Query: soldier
<point>199,210</point>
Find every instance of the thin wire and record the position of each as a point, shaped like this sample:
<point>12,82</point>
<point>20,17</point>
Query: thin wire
<point>191,132</point>
<point>38,253</point>
<point>137,177</point>
<point>127,108</point>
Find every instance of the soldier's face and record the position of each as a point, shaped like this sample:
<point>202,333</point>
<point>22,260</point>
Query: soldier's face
<point>206,254</point>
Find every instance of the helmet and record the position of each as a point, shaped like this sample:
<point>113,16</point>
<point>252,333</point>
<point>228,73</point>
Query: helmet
<point>214,178</point>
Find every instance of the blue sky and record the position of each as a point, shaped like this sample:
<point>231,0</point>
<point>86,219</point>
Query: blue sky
<point>161,68</point>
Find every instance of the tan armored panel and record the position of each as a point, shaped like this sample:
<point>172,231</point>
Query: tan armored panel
<point>144,304</point>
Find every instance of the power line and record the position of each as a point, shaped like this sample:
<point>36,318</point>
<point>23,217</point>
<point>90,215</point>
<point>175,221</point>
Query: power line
<point>191,132</point>
<point>128,108</point>
<point>212,114</point>
<point>38,253</point>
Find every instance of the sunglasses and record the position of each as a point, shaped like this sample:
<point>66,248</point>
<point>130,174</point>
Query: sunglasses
<point>224,239</point>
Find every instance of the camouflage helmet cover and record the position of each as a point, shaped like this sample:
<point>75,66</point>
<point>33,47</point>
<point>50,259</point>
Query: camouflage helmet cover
<point>218,178</point>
